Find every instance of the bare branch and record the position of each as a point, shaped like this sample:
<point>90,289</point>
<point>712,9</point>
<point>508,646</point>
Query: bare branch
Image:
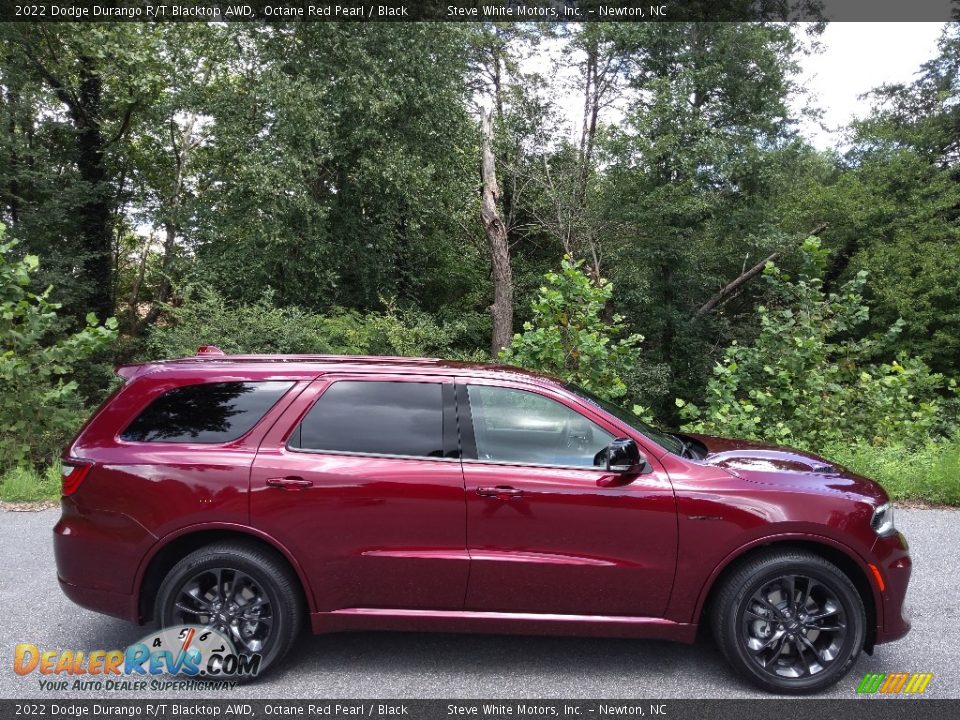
<point>124,125</point>
<point>731,288</point>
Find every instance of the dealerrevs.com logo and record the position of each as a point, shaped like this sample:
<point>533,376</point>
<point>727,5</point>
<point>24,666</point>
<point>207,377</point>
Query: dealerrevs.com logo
<point>188,651</point>
<point>895,683</point>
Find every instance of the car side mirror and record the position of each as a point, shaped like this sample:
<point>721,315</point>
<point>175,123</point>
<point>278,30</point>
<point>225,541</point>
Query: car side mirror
<point>623,457</point>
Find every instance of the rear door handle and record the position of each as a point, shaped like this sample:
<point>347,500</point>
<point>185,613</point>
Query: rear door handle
<point>291,482</point>
<point>501,492</point>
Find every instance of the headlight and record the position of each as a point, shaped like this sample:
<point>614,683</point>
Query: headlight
<point>882,521</point>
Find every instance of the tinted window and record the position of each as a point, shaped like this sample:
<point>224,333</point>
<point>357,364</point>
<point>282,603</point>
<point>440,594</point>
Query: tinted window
<point>383,418</point>
<point>518,426</point>
<point>207,413</point>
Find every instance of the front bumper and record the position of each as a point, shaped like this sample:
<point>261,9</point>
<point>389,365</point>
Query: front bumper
<point>892,558</point>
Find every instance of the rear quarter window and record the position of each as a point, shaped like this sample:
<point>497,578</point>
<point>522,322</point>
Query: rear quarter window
<point>205,413</point>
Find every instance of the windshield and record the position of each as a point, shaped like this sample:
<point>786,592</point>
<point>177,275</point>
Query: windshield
<point>669,442</point>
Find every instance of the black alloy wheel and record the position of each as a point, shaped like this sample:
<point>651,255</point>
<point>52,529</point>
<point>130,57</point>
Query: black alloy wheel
<point>246,592</point>
<point>229,601</point>
<point>793,627</point>
<point>789,621</point>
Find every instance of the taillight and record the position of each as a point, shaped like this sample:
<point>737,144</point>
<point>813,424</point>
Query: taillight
<point>72,473</point>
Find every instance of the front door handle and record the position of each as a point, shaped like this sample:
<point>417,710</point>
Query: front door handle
<point>501,492</point>
<point>291,482</point>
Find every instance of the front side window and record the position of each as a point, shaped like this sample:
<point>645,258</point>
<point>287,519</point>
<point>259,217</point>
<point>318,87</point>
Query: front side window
<point>206,413</point>
<point>518,426</point>
<point>375,417</point>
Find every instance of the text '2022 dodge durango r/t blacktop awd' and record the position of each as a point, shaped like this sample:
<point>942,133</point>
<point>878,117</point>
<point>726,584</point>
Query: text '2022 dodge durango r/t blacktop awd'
<point>252,494</point>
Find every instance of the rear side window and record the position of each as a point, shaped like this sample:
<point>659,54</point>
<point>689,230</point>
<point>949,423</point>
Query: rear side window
<point>206,413</point>
<point>375,417</point>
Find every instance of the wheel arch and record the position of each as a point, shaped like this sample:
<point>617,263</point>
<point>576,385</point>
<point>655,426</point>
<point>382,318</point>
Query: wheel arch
<point>177,545</point>
<point>846,559</point>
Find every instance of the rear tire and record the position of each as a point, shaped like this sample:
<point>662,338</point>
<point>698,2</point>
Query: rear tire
<point>246,592</point>
<point>789,621</point>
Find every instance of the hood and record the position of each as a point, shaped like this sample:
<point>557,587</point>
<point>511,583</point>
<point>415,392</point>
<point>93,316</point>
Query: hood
<point>785,467</point>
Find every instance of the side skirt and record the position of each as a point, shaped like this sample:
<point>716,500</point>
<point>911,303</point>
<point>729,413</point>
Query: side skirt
<point>467,621</point>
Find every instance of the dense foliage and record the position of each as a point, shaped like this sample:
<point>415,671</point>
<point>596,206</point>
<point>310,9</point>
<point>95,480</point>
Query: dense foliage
<point>809,380</point>
<point>315,187</point>
<point>264,327</point>
<point>569,338</point>
<point>40,406</point>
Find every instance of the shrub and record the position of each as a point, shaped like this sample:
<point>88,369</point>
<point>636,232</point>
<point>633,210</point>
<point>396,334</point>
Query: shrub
<point>569,338</point>
<point>929,472</point>
<point>262,327</point>
<point>204,317</point>
<point>40,407</point>
<point>808,381</point>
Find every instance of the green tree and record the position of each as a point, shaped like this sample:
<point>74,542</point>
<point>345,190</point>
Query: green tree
<point>892,201</point>
<point>895,208</point>
<point>167,163</point>
<point>72,96</point>
<point>39,403</point>
<point>568,338</point>
<point>358,172</point>
<point>687,198</point>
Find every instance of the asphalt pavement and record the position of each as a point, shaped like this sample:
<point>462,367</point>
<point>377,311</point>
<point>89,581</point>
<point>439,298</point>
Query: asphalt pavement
<point>409,665</point>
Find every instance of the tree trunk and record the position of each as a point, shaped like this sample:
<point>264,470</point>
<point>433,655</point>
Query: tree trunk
<point>501,310</point>
<point>13,202</point>
<point>181,149</point>
<point>582,230</point>
<point>95,215</point>
<point>134,300</point>
<point>591,109</point>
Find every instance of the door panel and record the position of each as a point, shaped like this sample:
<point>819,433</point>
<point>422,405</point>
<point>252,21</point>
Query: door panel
<point>370,531</point>
<point>568,540</point>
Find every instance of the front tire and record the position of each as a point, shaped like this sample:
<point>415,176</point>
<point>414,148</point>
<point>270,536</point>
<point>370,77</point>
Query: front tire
<point>245,592</point>
<point>789,621</point>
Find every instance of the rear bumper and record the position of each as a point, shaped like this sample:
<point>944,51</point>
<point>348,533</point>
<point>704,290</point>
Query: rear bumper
<point>102,601</point>
<point>97,554</point>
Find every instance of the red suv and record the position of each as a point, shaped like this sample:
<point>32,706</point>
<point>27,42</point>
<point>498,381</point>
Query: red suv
<point>253,493</point>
